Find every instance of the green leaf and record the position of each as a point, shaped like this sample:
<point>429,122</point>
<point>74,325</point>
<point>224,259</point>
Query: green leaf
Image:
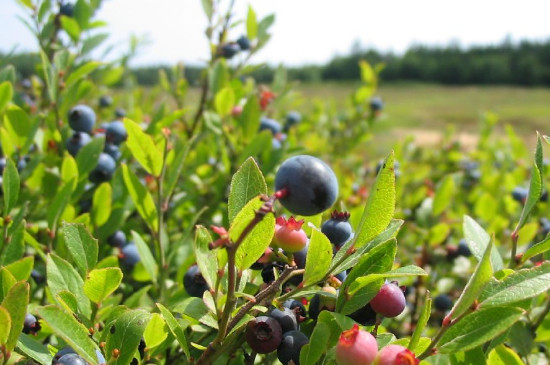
<point>82,246</point>
<point>520,285</point>
<point>401,272</point>
<point>71,27</point>
<point>246,184</point>
<point>208,7</point>
<point>175,328</point>
<point>15,302</point>
<point>250,118</point>
<point>101,283</point>
<point>378,260</point>
<point>474,356</point>
<point>92,42</point>
<point>67,300</point>
<point>69,171</point>
<point>481,276</point>
<point>73,332</point>
<point>143,200</point>
<point>18,125</point>
<point>62,276</point>
<point>224,101</point>
<point>478,328</point>
<point>502,355</point>
<point>143,148</point>
<point>102,202</point>
<point>146,257</point>
<point>443,195</point>
<point>5,325</point>
<point>175,167</point>
<point>478,240</point>
<point>535,185</point>
<point>537,249</point>
<point>421,323</point>
<point>21,269</point>
<point>34,349</point>
<point>6,93</point>
<point>10,186</point>
<point>81,72</point>
<point>87,157</point>
<point>7,281</point>
<point>207,259</point>
<point>318,258</point>
<point>57,207</point>
<point>195,311</point>
<point>251,24</point>
<point>255,242</point>
<point>380,205</point>
<point>155,332</point>
<point>124,335</point>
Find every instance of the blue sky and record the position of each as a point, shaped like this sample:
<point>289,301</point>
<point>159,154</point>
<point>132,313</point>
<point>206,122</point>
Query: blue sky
<point>306,31</point>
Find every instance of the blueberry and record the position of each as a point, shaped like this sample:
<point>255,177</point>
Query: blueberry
<point>100,358</point>
<point>270,124</point>
<point>544,196</point>
<point>82,118</point>
<point>120,113</point>
<point>244,43</point>
<point>395,354</point>
<point>300,260</point>
<point>286,318</point>
<point>376,104</point>
<point>229,50</point>
<point>356,346</point>
<point>365,316</point>
<point>338,228</point>
<point>129,255</point>
<point>297,307</point>
<point>194,282</point>
<point>292,118</point>
<point>26,83</point>
<point>112,150</point>
<point>116,132</point>
<point>38,277</point>
<point>31,324</point>
<point>341,276</point>
<point>322,302</point>
<point>268,275</point>
<point>443,302</point>
<point>117,239</point>
<point>544,226</point>
<point>463,249</point>
<point>104,170</point>
<point>310,186</point>
<point>289,234</point>
<point>22,163</point>
<point>105,101</point>
<point>66,9</point>
<point>275,144</point>
<point>290,347</point>
<point>520,194</point>
<point>2,165</point>
<point>77,141</point>
<point>263,334</point>
<point>390,301</point>
<point>71,359</point>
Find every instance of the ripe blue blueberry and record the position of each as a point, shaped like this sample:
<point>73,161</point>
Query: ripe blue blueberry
<point>297,307</point>
<point>31,324</point>
<point>116,132</point>
<point>338,228</point>
<point>443,302</point>
<point>263,334</point>
<point>290,347</point>
<point>82,118</point>
<point>376,104</point>
<point>194,282</point>
<point>229,50</point>
<point>308,185</point>
<point>244,43</point>
<point>120,113</point>
<point>270,124</point>
<point>292,118</point>
<point>71,359</point>
<point>105,101</point>
<point>66,9</point>
<point>112,150</point>
<point>104,170</point>
<point>2,165</point>
<point>117,239</point>
<point>129,255</point>
<point>463,249</point>
<point>286,318</point>
<point>365,316</point>
<point>77,141</point>
<point>520,194</point>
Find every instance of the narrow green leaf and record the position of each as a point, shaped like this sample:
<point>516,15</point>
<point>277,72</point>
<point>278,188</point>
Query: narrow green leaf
<point>82,246</point>
<point>100,283</point>
<point>224,101</point>
<point>5,325</point>
<point>21,269</point>
<point>443,195</point>
<point>18,125</point>
<point>195,311</point>
<point>146,256</point>
<point>421,323</point>
<point>69,170</point>
<point>478,240</point>
<point>124,334</point>
<point>481,276</point>
<point>175,328</point>
<point>318,258</point>
<point>87,157</point>
<point>502,355</point>
<point>519,285</point>
<point>71,27</point>
<point>537,249</point>
<point>59,204</point>
<point>73,332</point>
<point>143,200</point>
<point>10,186</point>
<point>254,243</point>
<point>92,42</point>
<point>208,7</point>
<point>101,204</point>
<point>207,259</point>
<point>247,183</point>
<point>380,205</point>
<point>34,349</point>
<point>478,328</point>
<point>81,72</point>
<point>6,93</point>
<point>155,332</point>
<point>67,300</point>
<point>7,281</point>
<point>474,356</point>
<point>535,185</point>
<point>143,148</point>
<point>251,24</point>
<point>406,271</point>
<point>175,167</point>
<point>15,302</point>
<point>250,118</point>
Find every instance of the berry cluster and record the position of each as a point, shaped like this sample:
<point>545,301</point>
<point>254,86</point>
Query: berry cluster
<point>230,49</point>
<point>128,255</point>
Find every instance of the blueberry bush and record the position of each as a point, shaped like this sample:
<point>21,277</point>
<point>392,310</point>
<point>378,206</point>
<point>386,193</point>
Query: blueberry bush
<point>140,228</point>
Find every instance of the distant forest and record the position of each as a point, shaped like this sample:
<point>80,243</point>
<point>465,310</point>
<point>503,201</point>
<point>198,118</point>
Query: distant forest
<point>525,63</point>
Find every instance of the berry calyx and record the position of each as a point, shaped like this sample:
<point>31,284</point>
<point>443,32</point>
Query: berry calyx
<point>356,346</point>
<point>289,234</point>
<point>263,334</point>
<point>390,301</point>
<point>395,355</point>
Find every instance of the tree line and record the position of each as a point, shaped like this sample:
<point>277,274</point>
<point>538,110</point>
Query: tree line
<point>525,63</point>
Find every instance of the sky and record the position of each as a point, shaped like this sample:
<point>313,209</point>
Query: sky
<point>305,31</point>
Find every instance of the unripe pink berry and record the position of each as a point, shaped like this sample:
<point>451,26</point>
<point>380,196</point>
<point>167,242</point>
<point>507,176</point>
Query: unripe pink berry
<point>395,355</point>
<point>356,347</point>
<point>289,234</point>
<point>390,301</point>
